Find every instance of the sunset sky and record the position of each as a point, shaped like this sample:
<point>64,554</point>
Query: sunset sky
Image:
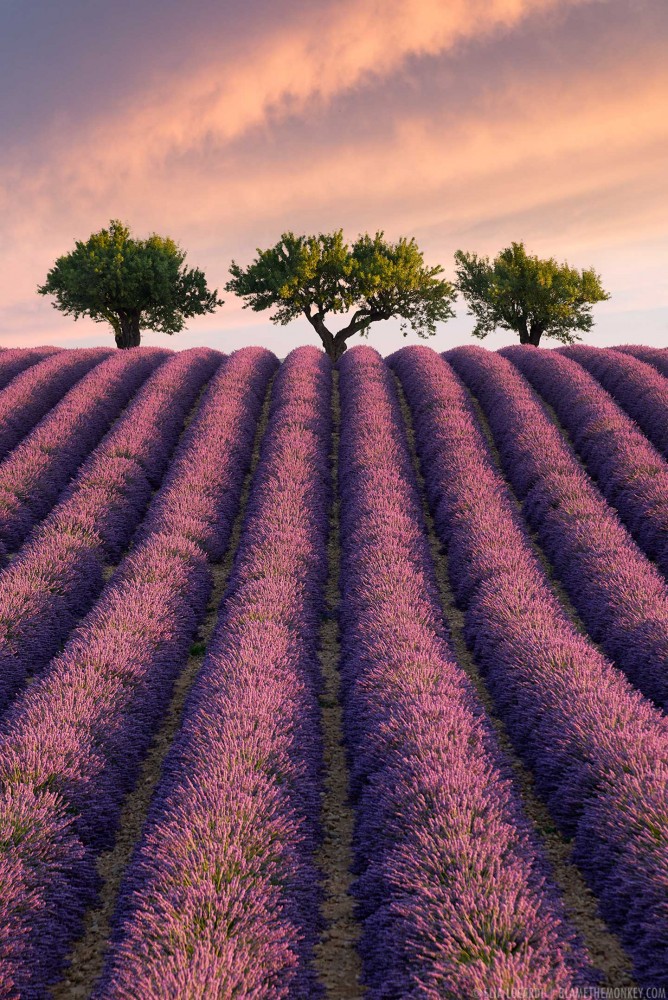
<point>463,123</point>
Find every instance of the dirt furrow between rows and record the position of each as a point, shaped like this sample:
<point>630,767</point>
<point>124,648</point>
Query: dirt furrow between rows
<point>88,955</point>
<point>604,947</point>
<point>336,957</point>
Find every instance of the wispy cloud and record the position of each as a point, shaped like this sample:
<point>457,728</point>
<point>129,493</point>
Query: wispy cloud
<point>327,49</point>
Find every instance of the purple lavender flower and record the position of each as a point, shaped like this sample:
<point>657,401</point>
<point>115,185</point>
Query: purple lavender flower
<point>598,749</point>
<point>451,884</point>
<point>620,595</point>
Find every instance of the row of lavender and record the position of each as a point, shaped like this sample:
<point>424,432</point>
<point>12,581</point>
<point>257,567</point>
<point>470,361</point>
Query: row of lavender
<point>597,747</point>
<point>39,467</point>
<point>636,382</point>
<point>657,357</point>
<point>57,575</point>
<point>71,744</point>
<point>14,360</point>
<point>620,595</point>
<point>221,899</point>
<point>122,664</point>
<point>628,470</point>
<point>451,885</point>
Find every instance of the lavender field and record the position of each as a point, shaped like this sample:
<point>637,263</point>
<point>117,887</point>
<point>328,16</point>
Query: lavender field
<point>333,680</point>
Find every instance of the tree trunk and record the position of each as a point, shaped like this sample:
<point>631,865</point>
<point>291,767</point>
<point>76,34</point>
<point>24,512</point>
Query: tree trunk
<point>334,345</point>
<point>129,334</point>
<point>535,335</point>
<point>524,333</point>
<point>338,348</point>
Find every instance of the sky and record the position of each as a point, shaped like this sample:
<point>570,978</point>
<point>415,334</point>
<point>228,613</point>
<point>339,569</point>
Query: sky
<point>465,124</point>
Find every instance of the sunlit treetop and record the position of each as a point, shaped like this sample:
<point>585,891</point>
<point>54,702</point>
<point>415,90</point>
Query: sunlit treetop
<point>528,295</point>
<point>313,276</point>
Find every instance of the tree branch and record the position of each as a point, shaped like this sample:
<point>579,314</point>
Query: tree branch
<point>365,319</point>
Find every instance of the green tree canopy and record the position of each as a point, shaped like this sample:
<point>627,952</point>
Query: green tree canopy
<point>312,276</point>
<point>530,296</point>
<point>132,284</point>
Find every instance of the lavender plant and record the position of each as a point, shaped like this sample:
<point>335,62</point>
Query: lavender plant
<point>221,897</point>
<point>452,886</point>
<point>629,471</point>
<point>32,393</point>
<point>71,745</point>
<point>639,389</point>
<point>34,474</point>
<point>655,356</point>
<point>619,594</point>
<point>58,574</point>
<point>597,747</point>
<point>14,360</point>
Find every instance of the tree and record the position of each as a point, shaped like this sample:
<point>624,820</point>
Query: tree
<point>316,275</point>
<point>530,296</point>
<point>132,284</point>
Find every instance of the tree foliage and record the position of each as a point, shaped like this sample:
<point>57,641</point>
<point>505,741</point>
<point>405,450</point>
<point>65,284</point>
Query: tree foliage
<point>528,295</point>
<point>313,276</point>
<point>131,284</point>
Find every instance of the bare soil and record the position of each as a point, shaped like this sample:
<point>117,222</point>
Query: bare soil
<point>336,958</point>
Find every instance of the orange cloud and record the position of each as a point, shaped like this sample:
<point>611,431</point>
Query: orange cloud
<point>326,51</point>
<point>527,149</point>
